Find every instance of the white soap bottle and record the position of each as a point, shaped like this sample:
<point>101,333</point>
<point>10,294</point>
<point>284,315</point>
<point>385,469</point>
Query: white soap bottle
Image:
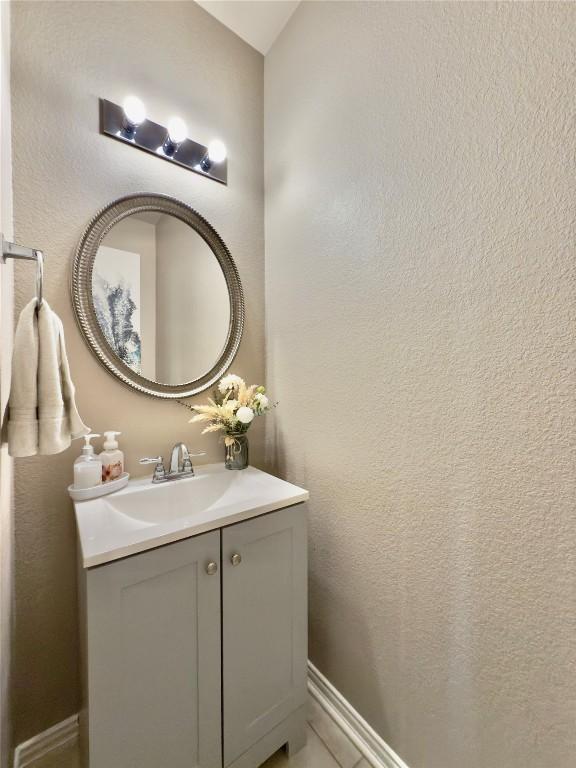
<point>87,467</point>
<point>111,457</point>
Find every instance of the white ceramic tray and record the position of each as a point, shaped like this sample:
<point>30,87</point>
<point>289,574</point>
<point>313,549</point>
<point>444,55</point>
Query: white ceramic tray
<point>84,494</point>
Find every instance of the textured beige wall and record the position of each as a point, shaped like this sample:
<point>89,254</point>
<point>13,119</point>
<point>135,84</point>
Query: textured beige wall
<point>420,226</point>
<point>6,333</point>
<point>180,60</point>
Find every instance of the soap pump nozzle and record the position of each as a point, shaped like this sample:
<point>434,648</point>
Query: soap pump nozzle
<point>88,449</point>
<point>110,442</point>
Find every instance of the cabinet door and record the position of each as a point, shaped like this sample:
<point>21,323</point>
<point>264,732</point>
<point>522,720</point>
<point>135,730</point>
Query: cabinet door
<point>154,658</point>
<point>264,632</point>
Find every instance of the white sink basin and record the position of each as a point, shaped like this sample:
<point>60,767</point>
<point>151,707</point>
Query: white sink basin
<point>143,515</point>
<point>175,499</point>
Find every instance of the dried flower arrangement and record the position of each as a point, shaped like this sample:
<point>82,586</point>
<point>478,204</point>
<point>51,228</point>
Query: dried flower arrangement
<point>232,408</point>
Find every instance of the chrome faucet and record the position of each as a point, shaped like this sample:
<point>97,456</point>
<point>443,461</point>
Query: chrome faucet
<point>180,464</point>
<point>184,466</point>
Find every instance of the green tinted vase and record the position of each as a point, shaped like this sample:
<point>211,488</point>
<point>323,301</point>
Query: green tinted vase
<point>236,455</point>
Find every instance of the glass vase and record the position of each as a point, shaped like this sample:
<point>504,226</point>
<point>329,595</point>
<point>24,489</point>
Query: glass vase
<point>236,451</point>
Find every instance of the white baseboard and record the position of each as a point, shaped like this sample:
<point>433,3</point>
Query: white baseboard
<point>373,748</point>
<point>60,735</point>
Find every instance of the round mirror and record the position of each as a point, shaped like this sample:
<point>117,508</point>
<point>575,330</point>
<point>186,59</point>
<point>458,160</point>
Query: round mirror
<point>158,296</point>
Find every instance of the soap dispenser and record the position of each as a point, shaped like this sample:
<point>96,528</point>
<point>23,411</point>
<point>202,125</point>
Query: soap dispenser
<point>87,467</point>
<point>111,457</point>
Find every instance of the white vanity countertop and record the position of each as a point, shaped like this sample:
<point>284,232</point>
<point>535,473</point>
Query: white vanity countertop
<point>142,515</point>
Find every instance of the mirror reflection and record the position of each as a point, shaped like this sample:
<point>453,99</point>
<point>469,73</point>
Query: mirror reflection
<point>161,298</point>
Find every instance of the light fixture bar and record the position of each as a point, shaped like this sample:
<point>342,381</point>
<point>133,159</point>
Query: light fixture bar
<point>151,137</point>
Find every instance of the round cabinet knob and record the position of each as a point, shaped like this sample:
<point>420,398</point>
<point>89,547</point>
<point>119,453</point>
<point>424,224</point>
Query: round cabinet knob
<point>236,559</point>
<point>212,568</point>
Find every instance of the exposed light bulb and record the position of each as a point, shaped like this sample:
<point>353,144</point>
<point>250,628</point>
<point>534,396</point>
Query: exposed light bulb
<point>217,151</point>
<point>177,130</point>
<point>134,111</point>
<point>216,154</point>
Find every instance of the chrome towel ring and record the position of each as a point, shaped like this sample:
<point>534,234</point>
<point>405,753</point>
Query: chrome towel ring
<point>13,251</point>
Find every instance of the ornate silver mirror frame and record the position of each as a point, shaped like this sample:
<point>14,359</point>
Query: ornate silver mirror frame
<point>81,287</point>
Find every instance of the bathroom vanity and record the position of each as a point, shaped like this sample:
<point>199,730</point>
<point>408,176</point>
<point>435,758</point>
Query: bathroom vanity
<point>194,621</point>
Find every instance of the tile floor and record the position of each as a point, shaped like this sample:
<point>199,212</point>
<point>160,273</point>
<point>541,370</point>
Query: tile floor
<point>341,753</point>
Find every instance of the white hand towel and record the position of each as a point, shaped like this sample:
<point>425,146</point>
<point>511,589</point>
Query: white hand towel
<point>23,402</point>
<point>43,417</point>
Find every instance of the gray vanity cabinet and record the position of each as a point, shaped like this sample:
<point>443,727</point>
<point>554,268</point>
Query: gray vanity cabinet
<point>196,651</point>
<point>153,631</point>
<point>264,589</point>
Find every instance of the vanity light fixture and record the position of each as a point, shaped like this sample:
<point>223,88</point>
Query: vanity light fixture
<point>128,123</point>
<point>216,154</point>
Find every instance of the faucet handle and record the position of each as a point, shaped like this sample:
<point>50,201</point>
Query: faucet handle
<point>159,470</point>
<point>151,460</point>
<point>187,467</point>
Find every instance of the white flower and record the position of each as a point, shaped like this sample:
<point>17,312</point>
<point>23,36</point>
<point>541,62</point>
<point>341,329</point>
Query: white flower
<point>230,382</point>
<point>245,414</point>
<point>263,401</point>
